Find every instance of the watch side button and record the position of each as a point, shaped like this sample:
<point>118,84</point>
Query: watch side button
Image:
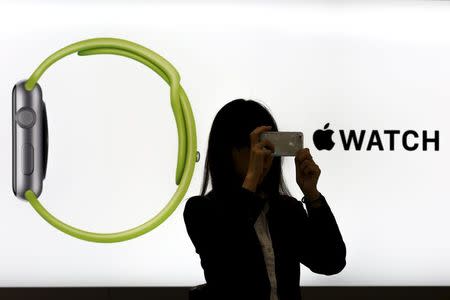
<point>27,159</point>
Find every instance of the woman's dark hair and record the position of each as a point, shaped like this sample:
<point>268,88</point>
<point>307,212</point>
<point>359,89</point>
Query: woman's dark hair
<point>231,128</point>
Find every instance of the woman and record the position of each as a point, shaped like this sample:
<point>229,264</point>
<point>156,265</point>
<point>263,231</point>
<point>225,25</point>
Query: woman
<point>250,233</point>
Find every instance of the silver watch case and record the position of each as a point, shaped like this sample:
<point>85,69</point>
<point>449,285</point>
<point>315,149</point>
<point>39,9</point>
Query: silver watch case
<point>30,140</point>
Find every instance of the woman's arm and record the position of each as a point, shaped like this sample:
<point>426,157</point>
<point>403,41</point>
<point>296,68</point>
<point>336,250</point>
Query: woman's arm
<point>318,241</point>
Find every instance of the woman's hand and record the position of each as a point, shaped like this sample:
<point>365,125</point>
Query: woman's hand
<point>307,172</point>
<point>260,159</point>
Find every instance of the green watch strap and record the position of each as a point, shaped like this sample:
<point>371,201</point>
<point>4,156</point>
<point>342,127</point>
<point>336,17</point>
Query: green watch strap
<point>184,118</point>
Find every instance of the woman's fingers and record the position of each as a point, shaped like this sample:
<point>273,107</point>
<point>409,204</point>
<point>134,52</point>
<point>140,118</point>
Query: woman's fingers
<point>306,166</point>
<point>260,152</point>
<point>254,135</point>
<point>268,144</point>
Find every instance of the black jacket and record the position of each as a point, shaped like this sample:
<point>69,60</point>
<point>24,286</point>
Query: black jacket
<point>221,229</point>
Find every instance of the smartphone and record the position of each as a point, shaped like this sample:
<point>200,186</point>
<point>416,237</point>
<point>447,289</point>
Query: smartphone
<point>286,143</point>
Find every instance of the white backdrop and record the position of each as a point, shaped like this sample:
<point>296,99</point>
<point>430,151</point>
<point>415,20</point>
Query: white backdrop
<point>113,138</point>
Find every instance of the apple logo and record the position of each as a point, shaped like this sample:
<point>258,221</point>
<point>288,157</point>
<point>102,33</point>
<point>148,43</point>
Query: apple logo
<point>322,138</point>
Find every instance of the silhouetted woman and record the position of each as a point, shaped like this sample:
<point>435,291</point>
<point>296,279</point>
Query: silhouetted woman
<point>250,233</point>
